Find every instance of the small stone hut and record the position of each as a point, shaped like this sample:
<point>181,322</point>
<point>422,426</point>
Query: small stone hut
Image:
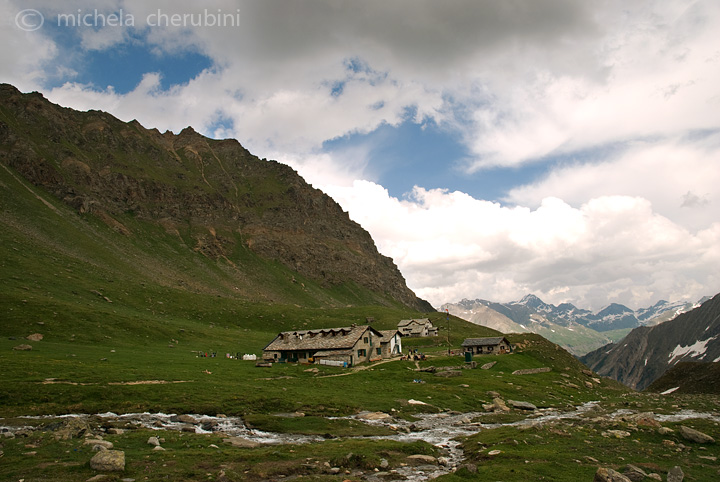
<point>487,346</point>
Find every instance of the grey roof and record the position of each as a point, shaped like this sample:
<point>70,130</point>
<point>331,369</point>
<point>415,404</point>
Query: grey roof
<point>421,321</point>
<point>491,341</point>
<point>388,334</point>
<point>325,339</point>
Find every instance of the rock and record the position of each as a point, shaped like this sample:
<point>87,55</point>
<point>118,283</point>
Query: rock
<point>609,475</point>
<point>488,366</point>
<point>532,371</point>
<point>444,461</point>
<point>99,443</point>
<point>499,405</point>
<point>97,478</point>
<point>72,428</point>
<point>695,436</point>
<point>428,459</point>
<point>472,468</point>
<point>108,461</point>
<point>588,385</point>
<point>115,431</point>
<point>655,476</point>
<point>153,441</point>
<point>649,422</point>
<point>241,442</point>
<point>495,452</point>
<point>616,433</point>
<point>384,464</point>
<point>22,348</point>
<point>185,419</point>
<point>493,394</point>
<point>313,370</point>
<point>665,430</point>
<point>634,473</point>
<point>675,475</point>
<point>34,337</point>
<point>522,405</point>
<point>158,448</point>
<point>374,416</point>
<point>334,470</point>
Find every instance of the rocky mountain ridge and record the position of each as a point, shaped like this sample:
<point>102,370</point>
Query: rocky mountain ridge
<point>213,196</point>
<point>648,352</point>
<point>575,329</point>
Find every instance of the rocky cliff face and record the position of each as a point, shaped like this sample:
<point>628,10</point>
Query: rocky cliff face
<point>214,195</point>
<point>647,353</point>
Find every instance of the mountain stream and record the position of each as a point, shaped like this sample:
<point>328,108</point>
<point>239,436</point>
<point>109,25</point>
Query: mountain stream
<point>440,429</point>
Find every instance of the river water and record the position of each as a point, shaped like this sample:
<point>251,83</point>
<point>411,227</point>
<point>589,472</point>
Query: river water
<point>439,429</point>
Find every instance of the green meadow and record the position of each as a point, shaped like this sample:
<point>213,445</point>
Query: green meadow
<point>123,319</point>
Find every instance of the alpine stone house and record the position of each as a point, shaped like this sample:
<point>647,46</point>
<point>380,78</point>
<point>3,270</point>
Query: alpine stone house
<point>493,345</point>
<point>417,328</point>
<point>346,346</point>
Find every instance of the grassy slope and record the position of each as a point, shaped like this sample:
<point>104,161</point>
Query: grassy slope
<point>117,309</point>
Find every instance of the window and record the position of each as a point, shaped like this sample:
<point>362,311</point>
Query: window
<point>362,352</point>
<point>365,340</point>
<point>379,351</point>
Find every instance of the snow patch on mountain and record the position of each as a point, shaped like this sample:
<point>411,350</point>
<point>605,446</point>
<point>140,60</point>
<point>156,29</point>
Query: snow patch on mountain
<point>695,350</point>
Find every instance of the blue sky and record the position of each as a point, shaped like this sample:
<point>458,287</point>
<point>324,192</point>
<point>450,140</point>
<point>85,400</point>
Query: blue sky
<point>568,149</point>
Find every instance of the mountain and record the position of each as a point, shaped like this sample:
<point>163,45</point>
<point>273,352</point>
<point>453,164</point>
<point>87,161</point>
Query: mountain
<point>689,378</point>
<point>575,329</point>
<point>647,352</point>
<point>181,210</point>
<point>534,316</point>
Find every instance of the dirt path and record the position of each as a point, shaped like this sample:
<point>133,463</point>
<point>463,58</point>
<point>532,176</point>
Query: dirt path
<point>356,369</point>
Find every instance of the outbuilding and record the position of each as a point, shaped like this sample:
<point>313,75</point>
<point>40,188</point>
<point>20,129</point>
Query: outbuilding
<point>487,346</point>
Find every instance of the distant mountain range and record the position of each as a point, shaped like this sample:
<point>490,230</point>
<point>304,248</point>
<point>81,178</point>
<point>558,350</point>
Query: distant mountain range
<point>648,352</point>
<point>575,329</point>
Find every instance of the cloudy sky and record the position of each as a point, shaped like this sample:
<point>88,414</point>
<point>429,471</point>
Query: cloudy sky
<point>564,148</point>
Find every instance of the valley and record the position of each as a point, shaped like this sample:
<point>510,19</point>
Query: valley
<point>127,252</point>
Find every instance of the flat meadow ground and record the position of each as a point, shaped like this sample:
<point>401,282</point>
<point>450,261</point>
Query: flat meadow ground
<point>67,377</point>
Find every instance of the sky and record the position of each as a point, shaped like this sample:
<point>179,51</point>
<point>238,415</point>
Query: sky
<point>493,149</point>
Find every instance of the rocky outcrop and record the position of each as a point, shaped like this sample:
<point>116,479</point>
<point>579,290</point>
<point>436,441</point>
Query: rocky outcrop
<point>215,197</point>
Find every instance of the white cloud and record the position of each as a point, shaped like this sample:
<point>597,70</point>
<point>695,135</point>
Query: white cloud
<point>679,177</point>
<point>612,248</point>
<point>625,93</point>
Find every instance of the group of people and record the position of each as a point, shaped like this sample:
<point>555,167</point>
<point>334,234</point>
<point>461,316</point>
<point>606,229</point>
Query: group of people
<point>413,355</point>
